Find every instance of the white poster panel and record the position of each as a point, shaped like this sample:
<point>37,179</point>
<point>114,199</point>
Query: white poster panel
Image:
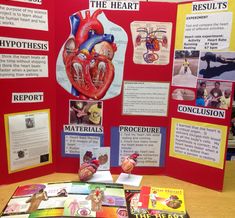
<point>23,66</point>
<point>20,17</point>
<point>29,139</point>
<point>145,98</point>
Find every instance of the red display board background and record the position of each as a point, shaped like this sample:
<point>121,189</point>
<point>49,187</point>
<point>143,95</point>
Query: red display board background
<point>46,85</point>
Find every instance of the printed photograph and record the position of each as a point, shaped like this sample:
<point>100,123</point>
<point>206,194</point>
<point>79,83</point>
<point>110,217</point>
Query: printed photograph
<point>217,65</point>
<point>183,94</point>
<point>29,122</point>
<point>185,68</point>
<point>232,126</point>
<point>215,94</point>
<point>85,112</point>
<point>231,135</point>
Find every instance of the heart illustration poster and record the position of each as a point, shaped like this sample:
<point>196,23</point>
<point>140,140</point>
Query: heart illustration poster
<point>90,62</point>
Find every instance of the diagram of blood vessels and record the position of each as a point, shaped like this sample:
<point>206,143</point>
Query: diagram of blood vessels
<point>152,40</point>
<point>87,56</point>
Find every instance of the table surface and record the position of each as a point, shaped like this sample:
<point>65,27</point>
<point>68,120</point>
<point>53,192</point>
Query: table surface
<point>200,202</point>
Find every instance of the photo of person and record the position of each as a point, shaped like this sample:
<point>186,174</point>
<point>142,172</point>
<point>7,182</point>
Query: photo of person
<point>29,122</point>
<point>213,94</point>
<point>217,65</point>
<point>200,100</point>
<point>231,135</point>
<point>85,112</point>
<point>153,198</point>
<point>226,99</point>
<point>185,68</point>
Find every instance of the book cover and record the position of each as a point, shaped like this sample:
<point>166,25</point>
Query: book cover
<point>135,211</point>
<point>162,199</point>
<point>67,199</point>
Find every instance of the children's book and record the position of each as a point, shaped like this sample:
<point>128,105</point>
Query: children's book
<point>135,211</point>
<point>162,199</point>
<point>70,199</point>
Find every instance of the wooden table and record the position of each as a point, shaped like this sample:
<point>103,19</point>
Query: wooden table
<point>200,202</point>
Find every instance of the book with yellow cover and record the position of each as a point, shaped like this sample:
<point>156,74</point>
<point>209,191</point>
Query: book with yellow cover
<point>134,211</point>
<point>162,199</point>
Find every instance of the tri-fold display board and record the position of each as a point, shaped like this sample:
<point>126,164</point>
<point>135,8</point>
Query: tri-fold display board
<point>107,78</point>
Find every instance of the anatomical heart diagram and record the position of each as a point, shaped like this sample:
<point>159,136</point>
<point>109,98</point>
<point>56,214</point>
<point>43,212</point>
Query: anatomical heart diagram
<point>90,62</point>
